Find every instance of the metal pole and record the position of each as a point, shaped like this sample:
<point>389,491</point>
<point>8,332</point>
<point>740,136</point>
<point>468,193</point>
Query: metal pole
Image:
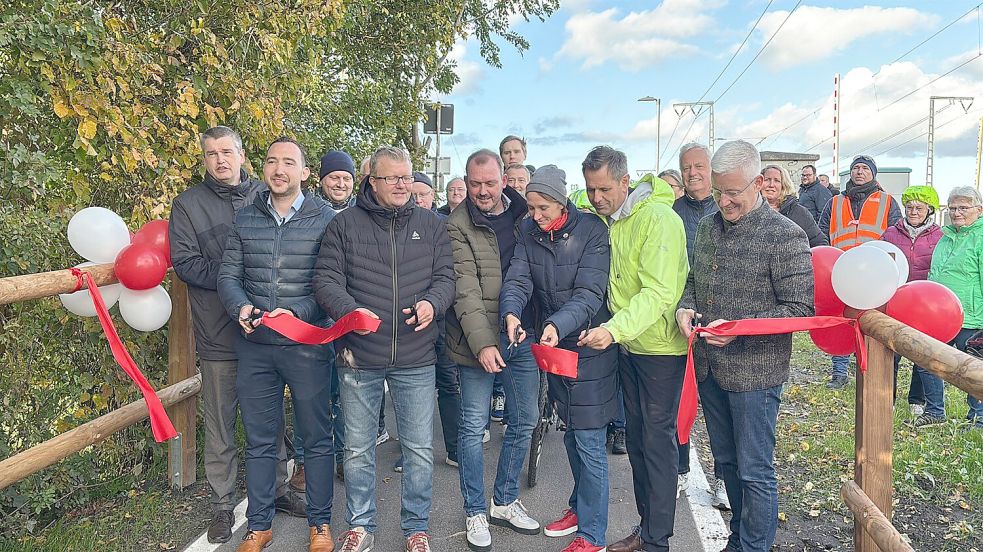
<point>979,153</point>
<point>436,160</point>
<point>929,159</point>
<point>836,130</point>
<point>658,133</point>
<point>711,129</point>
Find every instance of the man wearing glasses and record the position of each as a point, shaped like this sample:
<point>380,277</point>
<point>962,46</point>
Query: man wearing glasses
<point>813,194</point>
<point>391,260</point>
<point>860,213</point>
<point>759,262</point>
<point>483,235</point>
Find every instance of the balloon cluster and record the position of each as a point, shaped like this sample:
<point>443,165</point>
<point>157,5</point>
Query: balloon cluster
<point>874,276</point>
<point>141,262</point>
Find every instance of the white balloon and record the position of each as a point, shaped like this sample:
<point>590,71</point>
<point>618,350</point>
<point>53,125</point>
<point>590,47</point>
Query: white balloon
<point>97,234</point>
<point>80,302</point>
<point>145,310</point>
<point>865,277</point>
<point>899,258</point>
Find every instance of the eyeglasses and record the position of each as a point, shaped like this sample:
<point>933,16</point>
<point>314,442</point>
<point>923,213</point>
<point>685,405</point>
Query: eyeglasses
<point>334,179</point>
<point>731,194</point>
<point>393,180</point>
<point>517,181</point>
<point>962,208</point>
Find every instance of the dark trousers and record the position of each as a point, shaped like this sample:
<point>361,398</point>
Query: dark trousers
<point>264,370</point>
<point>652,385</point>
<point>448,394</point>
<point>741,427</point>
<point>916,393</point>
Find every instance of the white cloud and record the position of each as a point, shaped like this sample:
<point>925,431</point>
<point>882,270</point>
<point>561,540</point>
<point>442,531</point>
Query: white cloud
<point>469,72</point>
<point>639,39</point>
<point>813,33</point>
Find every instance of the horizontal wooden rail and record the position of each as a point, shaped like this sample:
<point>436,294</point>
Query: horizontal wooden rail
<point>36,458</point>
<point>954,366</point>
<point>880,530</point>
<point>45,284</point>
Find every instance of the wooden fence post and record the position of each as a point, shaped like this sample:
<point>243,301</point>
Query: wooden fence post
<point>182,462</point>
<point>874,433</point>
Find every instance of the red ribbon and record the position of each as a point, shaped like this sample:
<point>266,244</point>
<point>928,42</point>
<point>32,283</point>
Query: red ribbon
<point>295,329</point>
<point>555,360</point>
<point>160,424</point>
<point>755,326</point>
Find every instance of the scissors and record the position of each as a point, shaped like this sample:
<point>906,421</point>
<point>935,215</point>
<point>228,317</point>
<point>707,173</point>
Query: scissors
<point>514,339</point>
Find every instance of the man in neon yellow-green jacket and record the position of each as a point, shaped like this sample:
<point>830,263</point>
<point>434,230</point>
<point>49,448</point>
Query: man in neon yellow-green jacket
<point>648,274</point>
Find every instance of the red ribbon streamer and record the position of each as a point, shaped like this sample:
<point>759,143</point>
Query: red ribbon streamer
<point>295,329</point>
<point>555,360</point>
<point>755,326</point>
<point>160,424</point>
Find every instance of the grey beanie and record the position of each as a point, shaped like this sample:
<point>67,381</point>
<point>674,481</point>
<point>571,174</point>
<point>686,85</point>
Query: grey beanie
<point>550,181</point>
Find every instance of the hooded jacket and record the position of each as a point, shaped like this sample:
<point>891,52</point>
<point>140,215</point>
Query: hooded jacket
<point>692,211</point>
<point>956,264</point>
<point>565,273</point>
<point>648,272</point>
<point>385,260</point>
<point>473,324</point>
<point>270,265</point>
<point>918,249</point>
<point>201,218</point>
<point>858,194</point>
<point>794,211</point>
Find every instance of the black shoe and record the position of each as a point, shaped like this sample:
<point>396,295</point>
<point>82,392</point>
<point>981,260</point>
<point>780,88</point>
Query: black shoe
<point>292,505</point>
<point>619,446</point>
<point>339,470</point>
<point>928,419</point>
<point>220,529</point>
<point>838,382</point>
<point>610,439</point>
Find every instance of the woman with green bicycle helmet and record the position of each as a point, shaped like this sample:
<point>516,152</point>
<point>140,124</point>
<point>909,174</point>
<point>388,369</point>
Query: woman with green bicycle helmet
<point>916,235</point>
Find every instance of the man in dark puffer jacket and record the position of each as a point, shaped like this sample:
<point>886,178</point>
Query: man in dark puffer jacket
<point>391,259</point>
<point>267,267</point>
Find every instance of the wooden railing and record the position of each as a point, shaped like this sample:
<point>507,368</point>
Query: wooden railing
<point>869,495</point>
<point>180,398</point>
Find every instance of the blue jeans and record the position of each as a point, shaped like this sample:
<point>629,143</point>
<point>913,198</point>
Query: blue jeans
<point>521,384</point>
<point>448,393</point>
<point>411,390</point>
<point>263,372</point>
<point>916,393</point>
<point>934,386</point>
<point>337,419</point>
<point>589,464</point>
<point>619,422</point>
<point>741,427</point>
<point>841,366</point>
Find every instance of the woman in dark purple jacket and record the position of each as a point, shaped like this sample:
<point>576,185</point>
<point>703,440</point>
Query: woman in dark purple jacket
<point>916,235</point>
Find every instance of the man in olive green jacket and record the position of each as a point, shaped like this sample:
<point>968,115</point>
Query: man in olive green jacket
<point>648,273</point>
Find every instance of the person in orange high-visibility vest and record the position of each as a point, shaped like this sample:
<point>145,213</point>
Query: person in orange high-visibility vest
<point>858,214</point>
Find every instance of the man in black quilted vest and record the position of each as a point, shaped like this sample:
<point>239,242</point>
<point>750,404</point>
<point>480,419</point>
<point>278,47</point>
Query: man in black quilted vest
<point>749,261</point>
<point>390,259</point>
<point>267,267</point>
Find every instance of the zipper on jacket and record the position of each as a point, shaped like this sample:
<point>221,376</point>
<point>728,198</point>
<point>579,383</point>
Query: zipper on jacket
<point>277,235</point>
<point>392,241</point>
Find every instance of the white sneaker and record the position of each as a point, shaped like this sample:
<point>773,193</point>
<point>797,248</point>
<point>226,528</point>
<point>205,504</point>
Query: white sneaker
<point>515,517</point>
<point>451,462</point>
<point>916,410</point>
<point>682,483</point>
<point>719,492</point>
<point>486,437</point>
<point>479,538</point>
<point>356,540</point>
<point>382,438</point>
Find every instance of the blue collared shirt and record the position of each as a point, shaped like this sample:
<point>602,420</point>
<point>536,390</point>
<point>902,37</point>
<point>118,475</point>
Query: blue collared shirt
<point>294,209</point>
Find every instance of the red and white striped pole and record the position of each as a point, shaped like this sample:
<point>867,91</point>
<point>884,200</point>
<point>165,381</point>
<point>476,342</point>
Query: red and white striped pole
<point>836,129</point>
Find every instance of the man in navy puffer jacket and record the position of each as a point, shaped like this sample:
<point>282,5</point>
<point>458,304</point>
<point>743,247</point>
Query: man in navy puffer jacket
<point>268,267</point>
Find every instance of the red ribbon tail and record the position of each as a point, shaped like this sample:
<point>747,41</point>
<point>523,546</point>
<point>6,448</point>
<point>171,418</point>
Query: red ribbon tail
<point>689,398</point>
<point>160,424</point>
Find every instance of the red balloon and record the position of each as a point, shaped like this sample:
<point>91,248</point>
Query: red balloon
<point>928,307</point>
<point>838,340</point>
<point>826,301</point>
<point>140,266</point>
<point>154,234</point>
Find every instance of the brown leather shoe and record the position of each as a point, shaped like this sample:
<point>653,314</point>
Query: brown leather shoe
<point>298,481</point>
<point>254,541</point>
<point>631,543</point>
<point>321,540</point>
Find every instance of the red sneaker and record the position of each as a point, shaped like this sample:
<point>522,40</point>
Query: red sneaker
<point>562,527</point>
<point>581,545</point>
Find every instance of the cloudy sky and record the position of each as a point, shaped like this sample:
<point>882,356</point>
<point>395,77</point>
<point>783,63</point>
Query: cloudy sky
<point>578,84</point>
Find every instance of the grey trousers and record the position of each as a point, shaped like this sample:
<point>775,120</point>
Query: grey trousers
<point>221,405</point>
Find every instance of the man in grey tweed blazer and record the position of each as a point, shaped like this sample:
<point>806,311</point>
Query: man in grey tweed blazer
<point>749,262</point>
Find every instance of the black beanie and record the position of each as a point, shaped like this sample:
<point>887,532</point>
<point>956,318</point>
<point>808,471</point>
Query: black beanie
<point>336,160</point>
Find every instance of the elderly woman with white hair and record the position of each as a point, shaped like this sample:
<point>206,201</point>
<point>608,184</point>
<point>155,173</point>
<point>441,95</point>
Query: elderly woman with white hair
<point>780,195</point>
<point>957,263</point>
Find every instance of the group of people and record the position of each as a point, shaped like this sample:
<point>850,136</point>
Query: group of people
<point>620,275</point>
